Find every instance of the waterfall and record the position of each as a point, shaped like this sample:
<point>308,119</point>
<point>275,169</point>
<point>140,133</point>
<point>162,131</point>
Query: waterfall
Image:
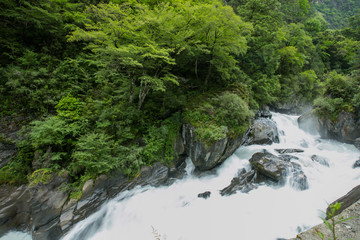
<point>269,212</point>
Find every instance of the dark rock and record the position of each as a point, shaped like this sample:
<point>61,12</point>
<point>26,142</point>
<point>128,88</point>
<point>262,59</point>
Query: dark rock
<point>321,160</point>
<point>264,113</point>
<point>244,183</point>
<point>204,195</point>
<point>298,179</point>
<point>345,129</point>
<point>155,176</point>
<point>357,143</point>
<point>177,172</point>
<point>291,107</point>
<point>43,209</point>
<point>289,150</point>
<point>206,157</point>
<point>347,200</point>
<point>288,158</point>
<point>357,164</point>
<point>262,131</point>
<point>269,165</point>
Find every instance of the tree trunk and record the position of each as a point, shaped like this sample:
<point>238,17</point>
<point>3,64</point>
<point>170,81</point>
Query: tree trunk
<point>131,98</point>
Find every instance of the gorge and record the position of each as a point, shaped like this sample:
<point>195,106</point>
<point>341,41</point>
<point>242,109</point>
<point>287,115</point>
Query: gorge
<point>265,210</point>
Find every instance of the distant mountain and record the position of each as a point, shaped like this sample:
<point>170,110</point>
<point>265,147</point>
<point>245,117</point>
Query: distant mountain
<point>336,12</point>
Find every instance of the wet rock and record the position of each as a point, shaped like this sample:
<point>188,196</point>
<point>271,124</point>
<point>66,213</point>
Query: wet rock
<point>204,195</point>
<point>289,150</point>
<point>155,176</point>
<point>346,128</point>
<point>244,183</point>
<point>67,215</point>
<point>177,172</point>
<point>269,165</point>
<point>262,131</point>
<point>298,179</point>
<point>7,151</point>
<point>357,164</point>
<point>357,143</point>
<point>321,160</point>
<point>287,157</point>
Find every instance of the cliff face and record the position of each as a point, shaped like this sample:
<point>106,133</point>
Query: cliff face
<point>346,128</point>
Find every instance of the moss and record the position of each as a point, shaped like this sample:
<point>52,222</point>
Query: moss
<point>43,175</point>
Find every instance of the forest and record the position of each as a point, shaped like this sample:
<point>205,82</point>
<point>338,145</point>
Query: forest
<point>103,85</point>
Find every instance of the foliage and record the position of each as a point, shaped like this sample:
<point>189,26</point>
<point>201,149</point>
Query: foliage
<point>214,118</point>
<point>94,152</point>
<point>43,175</point>
<point>339,94</point>
<point>123,75</point>
<point>330,221</point>
<point>160,141</point>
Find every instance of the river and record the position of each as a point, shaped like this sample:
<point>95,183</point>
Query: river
<point>269,212</point>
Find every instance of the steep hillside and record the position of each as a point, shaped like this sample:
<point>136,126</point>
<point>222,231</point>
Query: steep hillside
<point>336,12</point>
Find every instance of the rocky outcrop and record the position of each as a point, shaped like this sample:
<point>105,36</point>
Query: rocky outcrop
<point>356,164</point>
<point>346,128</point>
<point>269,165</point>
<point>206,156</point>
<point>262,131</point>
<point>321,160</point>
<point>47,211</point>
<point>289,150</point>
<point>291,107</point>
<point>244,183</point>
<point>298,178</point>
<point>309,122</point>
<point>204,195</point>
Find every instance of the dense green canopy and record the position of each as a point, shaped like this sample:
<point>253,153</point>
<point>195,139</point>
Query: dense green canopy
<point>106,84</point>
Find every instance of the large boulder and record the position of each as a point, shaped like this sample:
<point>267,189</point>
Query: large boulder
<point>346,128</point>
<point>262,131</point>
<point>269,165</point>
<point>309,122</point>
<point>207,156</point>
<point>298,178</point>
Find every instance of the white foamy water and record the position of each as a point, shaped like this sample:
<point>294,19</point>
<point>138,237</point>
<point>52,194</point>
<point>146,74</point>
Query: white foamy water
<point>269,212</point>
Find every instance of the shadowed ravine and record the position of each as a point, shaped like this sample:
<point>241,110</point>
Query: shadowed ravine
<point>270,211</point>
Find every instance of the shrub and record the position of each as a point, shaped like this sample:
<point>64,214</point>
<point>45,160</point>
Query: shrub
<point>95,152</point>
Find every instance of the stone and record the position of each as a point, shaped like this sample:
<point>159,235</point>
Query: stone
<point>204,195</point>
<point>262,131</point>
<point>289,150</point>
<point>269,165</point>
<point>346,128</point>
<point>287,157</point>
<point>321,160</point>
<point>205,156</point>
<point>309,122</point>
<point>244,183</point>
<point>298,178</point>
<point>357,164</point>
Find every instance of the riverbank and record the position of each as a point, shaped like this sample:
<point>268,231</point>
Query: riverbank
<point>347,230</point>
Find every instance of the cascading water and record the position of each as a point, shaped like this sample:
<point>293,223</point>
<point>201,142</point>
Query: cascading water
<point>268,212</point>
